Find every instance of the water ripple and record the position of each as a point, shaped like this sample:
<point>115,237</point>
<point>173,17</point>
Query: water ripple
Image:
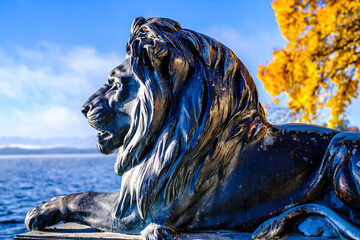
<point>27,181</point>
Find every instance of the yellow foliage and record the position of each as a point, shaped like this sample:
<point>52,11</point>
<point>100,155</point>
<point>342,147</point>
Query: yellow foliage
<point>320,65</point>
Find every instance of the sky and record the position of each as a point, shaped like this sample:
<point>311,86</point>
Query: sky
<point>55,54</point>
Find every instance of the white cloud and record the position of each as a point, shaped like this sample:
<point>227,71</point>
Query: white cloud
<point>43,88</point>
<point>50,121</point>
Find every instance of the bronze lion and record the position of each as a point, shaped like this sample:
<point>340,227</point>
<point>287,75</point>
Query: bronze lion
<point>196,152</point>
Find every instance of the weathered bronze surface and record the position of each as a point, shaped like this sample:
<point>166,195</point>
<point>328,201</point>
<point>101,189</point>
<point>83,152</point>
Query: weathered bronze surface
<point>196,152</point>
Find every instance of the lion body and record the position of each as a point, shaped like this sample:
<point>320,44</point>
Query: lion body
<point>248,197</point>
<point>244,198</point>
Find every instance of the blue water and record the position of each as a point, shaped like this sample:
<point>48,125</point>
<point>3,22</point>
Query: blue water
<point>26,181</point>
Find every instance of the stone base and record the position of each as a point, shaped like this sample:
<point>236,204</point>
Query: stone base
<point>72,231</point>
<point>77,231</point>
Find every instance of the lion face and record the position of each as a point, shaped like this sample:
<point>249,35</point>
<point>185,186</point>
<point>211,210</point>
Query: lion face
<point>110,110</point>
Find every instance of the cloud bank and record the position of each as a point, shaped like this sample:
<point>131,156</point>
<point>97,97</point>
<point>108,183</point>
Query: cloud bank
<point>43,88</point>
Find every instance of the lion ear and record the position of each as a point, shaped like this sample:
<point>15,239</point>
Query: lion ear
<point>137,23</point>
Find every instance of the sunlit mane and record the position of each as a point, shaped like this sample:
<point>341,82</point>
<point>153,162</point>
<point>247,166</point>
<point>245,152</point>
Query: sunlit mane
<point>196,96</point>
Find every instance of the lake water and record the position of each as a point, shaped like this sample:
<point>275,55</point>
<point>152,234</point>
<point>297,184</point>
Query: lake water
<point>26,181</point>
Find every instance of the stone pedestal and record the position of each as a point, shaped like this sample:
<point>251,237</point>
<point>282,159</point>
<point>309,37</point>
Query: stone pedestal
<point>74,231</point>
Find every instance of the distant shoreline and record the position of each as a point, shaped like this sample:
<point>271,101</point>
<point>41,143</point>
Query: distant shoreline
<point>54,150</point>
<point>56,155</point>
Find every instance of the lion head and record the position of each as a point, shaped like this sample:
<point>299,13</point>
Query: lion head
<point>173,109</point>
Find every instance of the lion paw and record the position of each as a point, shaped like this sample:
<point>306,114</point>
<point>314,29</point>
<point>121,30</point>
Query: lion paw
<point>156,232</point>
<point>270,229</point>
<point>44,215</point>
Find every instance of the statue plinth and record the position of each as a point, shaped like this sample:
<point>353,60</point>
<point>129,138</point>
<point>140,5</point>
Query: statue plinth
<point>83,232</point>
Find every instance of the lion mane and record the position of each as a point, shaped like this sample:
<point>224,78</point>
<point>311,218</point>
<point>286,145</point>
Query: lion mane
<point>196,101</point>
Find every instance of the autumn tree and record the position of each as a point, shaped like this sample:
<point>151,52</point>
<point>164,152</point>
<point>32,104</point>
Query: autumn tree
<point>318,69</point>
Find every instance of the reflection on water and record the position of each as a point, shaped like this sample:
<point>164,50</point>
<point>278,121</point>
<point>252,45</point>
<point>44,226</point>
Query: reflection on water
<point>26,181</point>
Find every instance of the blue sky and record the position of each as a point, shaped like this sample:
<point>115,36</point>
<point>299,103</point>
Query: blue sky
<point>55,54</point>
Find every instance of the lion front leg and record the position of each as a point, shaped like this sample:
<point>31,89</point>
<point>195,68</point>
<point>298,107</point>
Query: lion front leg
<point>91,208</point>
<point>312,220</point>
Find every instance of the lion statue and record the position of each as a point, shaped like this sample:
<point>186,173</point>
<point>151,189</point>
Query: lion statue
<point>196,152</point>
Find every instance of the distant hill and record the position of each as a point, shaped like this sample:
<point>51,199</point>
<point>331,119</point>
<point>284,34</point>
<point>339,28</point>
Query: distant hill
<point>54,142</point>
<point>55,150</point>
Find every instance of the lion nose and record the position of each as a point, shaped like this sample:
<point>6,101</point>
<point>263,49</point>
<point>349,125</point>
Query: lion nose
<point>85,109</point>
